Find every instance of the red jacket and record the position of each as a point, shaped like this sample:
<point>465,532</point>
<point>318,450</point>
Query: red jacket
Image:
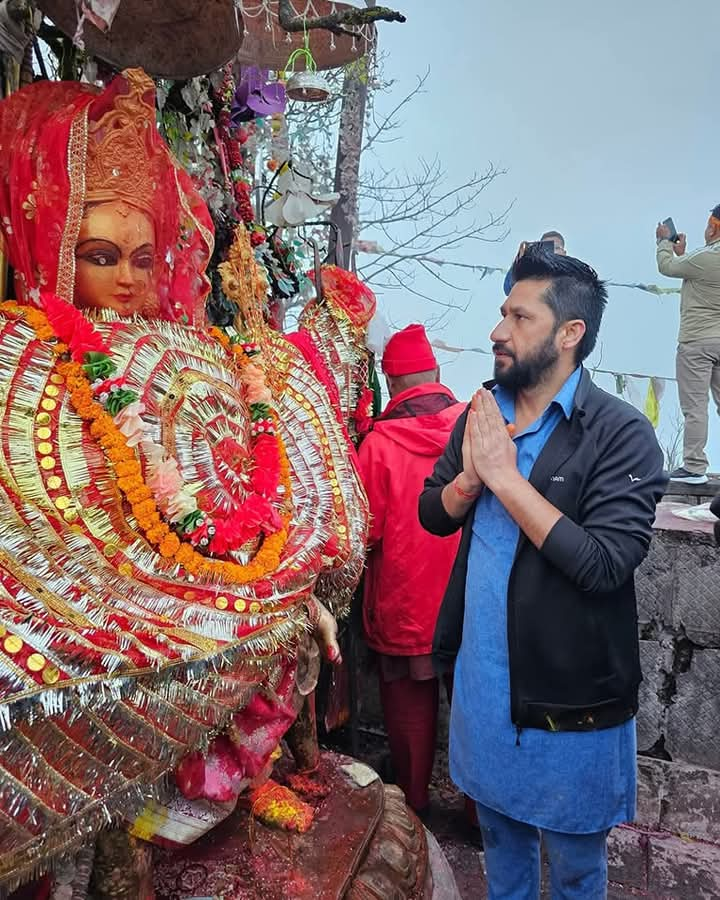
<point>408,568</point>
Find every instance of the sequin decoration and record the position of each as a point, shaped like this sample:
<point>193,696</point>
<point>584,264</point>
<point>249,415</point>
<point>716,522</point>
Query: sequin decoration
<point>132,661</point>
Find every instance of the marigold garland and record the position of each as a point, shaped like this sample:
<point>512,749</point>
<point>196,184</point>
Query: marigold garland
<point>129,472</point>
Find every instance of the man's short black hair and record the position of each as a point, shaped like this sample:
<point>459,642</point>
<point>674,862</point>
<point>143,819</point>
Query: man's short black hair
<point>553,234</point>
<point>716,212</point>
<point>576,292</point>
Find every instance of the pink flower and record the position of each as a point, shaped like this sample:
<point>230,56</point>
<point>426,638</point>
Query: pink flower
<point>255,386</point>
<point>130,424</point>
<point>165,481</point>
<point>262,395</point>
<point>154,453</point>
<point>254,375</point>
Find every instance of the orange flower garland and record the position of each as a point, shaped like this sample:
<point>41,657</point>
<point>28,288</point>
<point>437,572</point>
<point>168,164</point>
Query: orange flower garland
<point>129,472</point>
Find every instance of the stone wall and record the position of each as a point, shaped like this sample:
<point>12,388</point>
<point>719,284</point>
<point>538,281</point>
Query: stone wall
<point>673,850</point>
<point>679,616</point>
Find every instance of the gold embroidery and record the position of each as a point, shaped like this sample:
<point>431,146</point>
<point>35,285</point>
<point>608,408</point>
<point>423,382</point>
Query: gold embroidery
<point>122,162</point>
<point>77,152</point>
<point>30,203</point>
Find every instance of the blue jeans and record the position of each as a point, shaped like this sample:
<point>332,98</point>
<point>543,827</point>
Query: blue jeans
<point>578,862</point>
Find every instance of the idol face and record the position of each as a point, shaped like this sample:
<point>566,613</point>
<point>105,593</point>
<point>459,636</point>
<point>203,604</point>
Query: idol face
<point>115,259</point>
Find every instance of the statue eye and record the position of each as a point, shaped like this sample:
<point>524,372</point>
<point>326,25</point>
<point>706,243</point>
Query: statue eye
<point>100,258</point>
<point>145,261</point>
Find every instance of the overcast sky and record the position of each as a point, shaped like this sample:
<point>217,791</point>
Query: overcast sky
<point>606,117</point>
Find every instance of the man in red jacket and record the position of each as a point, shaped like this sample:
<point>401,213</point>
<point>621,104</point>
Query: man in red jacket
<point>408,569</point>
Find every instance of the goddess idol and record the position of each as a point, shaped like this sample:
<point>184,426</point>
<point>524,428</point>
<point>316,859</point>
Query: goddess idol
<point>172,496</point>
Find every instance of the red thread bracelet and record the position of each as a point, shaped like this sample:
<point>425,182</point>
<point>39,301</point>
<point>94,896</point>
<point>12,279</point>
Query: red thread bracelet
<point>464,494</point>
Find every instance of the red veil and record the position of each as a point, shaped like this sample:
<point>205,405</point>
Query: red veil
<point>63,144</point>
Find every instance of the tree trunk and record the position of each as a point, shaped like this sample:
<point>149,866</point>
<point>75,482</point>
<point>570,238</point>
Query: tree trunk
<point>347,167</point>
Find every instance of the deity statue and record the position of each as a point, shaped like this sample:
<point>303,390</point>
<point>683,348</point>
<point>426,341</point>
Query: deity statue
<point>174,497</point>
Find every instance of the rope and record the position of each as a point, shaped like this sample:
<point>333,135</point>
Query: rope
<point>442,345</point>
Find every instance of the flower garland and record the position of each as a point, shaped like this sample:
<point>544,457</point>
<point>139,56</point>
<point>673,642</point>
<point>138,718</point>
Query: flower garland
<point>83,356</point>
<point>233,161</point>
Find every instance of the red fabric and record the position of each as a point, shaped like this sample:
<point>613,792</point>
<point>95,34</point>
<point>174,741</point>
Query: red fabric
<point>42,193</point>
<point>408,351</point>
<point>410,709</point>
<point>345,291</point>
<point>408,568</point>
<point>392,668</point>
<point>244,753</point>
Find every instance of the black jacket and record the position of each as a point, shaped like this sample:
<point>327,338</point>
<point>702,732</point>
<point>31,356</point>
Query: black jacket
<point>572,617</point>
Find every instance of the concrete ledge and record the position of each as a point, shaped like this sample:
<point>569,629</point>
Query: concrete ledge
<point>693,493</point>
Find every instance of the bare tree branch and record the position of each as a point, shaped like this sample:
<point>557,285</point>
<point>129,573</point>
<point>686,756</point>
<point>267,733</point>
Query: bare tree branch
<point>417,230</point>
<point>428,241</point>
<point>341,22</point>
<point>390,122</point>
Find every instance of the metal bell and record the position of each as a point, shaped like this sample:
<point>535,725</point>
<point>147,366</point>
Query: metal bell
<point>308,87</point>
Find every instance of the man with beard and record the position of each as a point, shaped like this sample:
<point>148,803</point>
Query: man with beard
<point>554,484</point>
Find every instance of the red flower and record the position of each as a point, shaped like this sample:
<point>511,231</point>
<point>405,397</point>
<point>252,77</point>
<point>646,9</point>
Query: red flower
<point>257,238</point>
<point>72,328</point>
<point>363,416</point>
<point>266,472</point>
<point>254,516</point>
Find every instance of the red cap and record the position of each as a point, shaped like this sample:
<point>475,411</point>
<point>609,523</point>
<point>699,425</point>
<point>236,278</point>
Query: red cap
<point>407,352</point>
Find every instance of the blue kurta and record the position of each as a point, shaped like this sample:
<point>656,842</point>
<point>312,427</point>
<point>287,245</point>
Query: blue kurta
<point>574,782</point>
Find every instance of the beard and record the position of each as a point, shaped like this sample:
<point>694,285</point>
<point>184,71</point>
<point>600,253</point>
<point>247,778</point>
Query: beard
<point>529,372</point>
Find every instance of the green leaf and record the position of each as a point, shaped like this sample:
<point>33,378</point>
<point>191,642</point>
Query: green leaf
<point>98,365</point>
<point>118,400</point>
<point>259,411</point>
<point>190,522</point>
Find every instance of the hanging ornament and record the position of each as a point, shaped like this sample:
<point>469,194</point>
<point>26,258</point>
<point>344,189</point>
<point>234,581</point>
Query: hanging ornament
<point>256,96</point>
<point>307,86</point>
<point>295,200</point>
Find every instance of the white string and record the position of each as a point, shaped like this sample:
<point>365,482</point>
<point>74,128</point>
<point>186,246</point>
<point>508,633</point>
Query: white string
<point>253,9</point>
